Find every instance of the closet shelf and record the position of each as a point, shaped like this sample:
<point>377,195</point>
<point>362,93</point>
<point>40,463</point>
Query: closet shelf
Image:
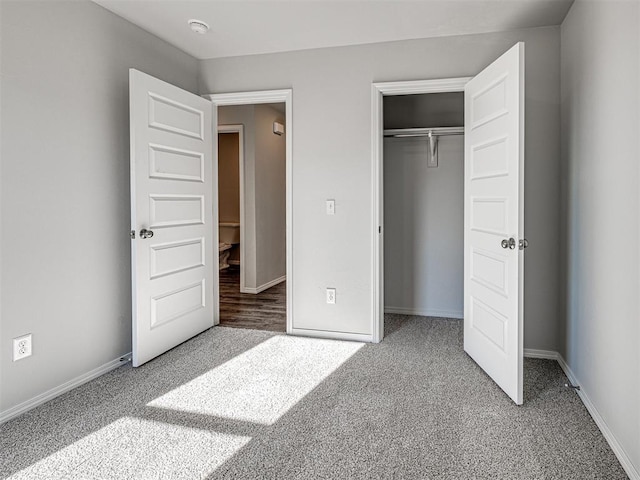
<point>423,132</point>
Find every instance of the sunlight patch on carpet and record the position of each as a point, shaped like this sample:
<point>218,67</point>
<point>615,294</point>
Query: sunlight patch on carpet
<point>135,448</point>
<point>261,384</point>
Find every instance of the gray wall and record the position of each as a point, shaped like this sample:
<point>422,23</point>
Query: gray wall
<point>600,156</point>
<point>424,227</point>
<point>65,258</point>
<point>428,110</point>
<point>245,115</point>
<point>271,242</point>
<point>332,159</point>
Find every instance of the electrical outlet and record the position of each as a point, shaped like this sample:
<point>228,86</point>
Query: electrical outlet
<point>22,347</point>
<point>331,295</point>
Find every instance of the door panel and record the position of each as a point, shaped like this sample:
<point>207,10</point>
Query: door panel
<point>172,188</point>
<point>494,212</point>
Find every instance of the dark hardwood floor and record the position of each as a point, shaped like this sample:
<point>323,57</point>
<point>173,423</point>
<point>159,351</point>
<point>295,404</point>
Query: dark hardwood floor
<point>265,311</point>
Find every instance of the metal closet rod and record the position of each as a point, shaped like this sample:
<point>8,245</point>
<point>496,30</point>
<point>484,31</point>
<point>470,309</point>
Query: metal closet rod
<point>423,132</point>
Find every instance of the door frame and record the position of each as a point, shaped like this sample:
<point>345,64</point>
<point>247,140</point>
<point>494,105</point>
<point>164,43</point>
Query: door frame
<point>378,91</point>
<point>239,129</point>
<point>251,98</point>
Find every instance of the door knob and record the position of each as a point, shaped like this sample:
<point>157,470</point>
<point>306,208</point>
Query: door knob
<point>510,243</point>
<point>144,233</point>
<point>524,243</point>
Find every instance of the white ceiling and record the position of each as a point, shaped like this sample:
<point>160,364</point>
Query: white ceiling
<point>245,27</point>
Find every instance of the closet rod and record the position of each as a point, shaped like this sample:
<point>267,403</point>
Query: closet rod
<point>423,132</point>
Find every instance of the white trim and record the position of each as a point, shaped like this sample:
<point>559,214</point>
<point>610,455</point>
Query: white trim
<point>239,129</point>
<point>546,354</point>
<point>215,220</point>
<point>377,211</point>
<point>263,287</point>
<point>430,312</point>
<point>250,98</point>
<point>422,86</point>
<point>32,403</point>
<point>619,451</point>
<point>378,90</point>
<point>355,337</point>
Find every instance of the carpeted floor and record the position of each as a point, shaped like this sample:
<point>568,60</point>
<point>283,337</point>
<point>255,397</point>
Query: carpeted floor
<point>235,403</point>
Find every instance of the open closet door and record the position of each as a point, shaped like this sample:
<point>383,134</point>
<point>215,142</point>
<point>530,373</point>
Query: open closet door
<point>494,220</point>
<point>172,192</point>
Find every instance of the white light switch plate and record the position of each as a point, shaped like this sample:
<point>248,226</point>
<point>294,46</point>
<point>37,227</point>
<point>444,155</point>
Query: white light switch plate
<point>331,207</point>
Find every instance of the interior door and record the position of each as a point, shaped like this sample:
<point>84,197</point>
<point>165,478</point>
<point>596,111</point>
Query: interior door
<point>494,220</point>
<point>172,188</point>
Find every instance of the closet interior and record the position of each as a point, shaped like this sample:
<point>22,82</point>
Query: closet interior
<point>424,204</point>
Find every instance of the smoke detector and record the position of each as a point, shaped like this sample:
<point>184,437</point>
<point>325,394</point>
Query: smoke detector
<point>198,26</point>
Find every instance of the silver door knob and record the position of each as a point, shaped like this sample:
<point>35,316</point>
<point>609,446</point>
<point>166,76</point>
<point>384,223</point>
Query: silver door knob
<point>524,243</point>
<point>144,233</point>
<point>509,243</point>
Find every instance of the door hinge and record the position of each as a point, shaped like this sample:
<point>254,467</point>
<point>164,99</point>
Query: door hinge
<point>132,234</point>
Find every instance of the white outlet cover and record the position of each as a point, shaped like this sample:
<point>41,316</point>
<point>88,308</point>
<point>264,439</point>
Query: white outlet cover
<point>331,295</point>
<point>22,347</point>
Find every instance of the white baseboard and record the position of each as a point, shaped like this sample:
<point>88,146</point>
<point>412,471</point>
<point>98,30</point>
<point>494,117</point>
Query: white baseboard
<point>262,288</point>
<point>354,337</point>
<point>623,458</point>
<point>424,313</point>
<point>547,354</point>
<point>23,407</point>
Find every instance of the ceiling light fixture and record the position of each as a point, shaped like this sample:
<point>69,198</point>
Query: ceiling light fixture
<point>198,26</point>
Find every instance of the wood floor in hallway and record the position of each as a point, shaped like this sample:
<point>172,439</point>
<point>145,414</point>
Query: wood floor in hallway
<point>265,311</point>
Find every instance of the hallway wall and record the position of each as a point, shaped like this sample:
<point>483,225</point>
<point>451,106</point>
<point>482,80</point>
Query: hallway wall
<point>229,177</point>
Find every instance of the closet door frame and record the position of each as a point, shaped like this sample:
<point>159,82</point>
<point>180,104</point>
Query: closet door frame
<point>378,91</point>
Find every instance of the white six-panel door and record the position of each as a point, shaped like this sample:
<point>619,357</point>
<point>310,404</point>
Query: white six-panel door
<point>172,188</point>
<point>494,220</point>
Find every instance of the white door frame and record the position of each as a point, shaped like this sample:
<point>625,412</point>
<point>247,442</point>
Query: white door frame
<point>378,90</point>
<point>252,98</point>
<point>239,129</point>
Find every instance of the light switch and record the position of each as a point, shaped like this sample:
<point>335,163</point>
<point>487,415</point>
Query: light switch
<point>331,207</point>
